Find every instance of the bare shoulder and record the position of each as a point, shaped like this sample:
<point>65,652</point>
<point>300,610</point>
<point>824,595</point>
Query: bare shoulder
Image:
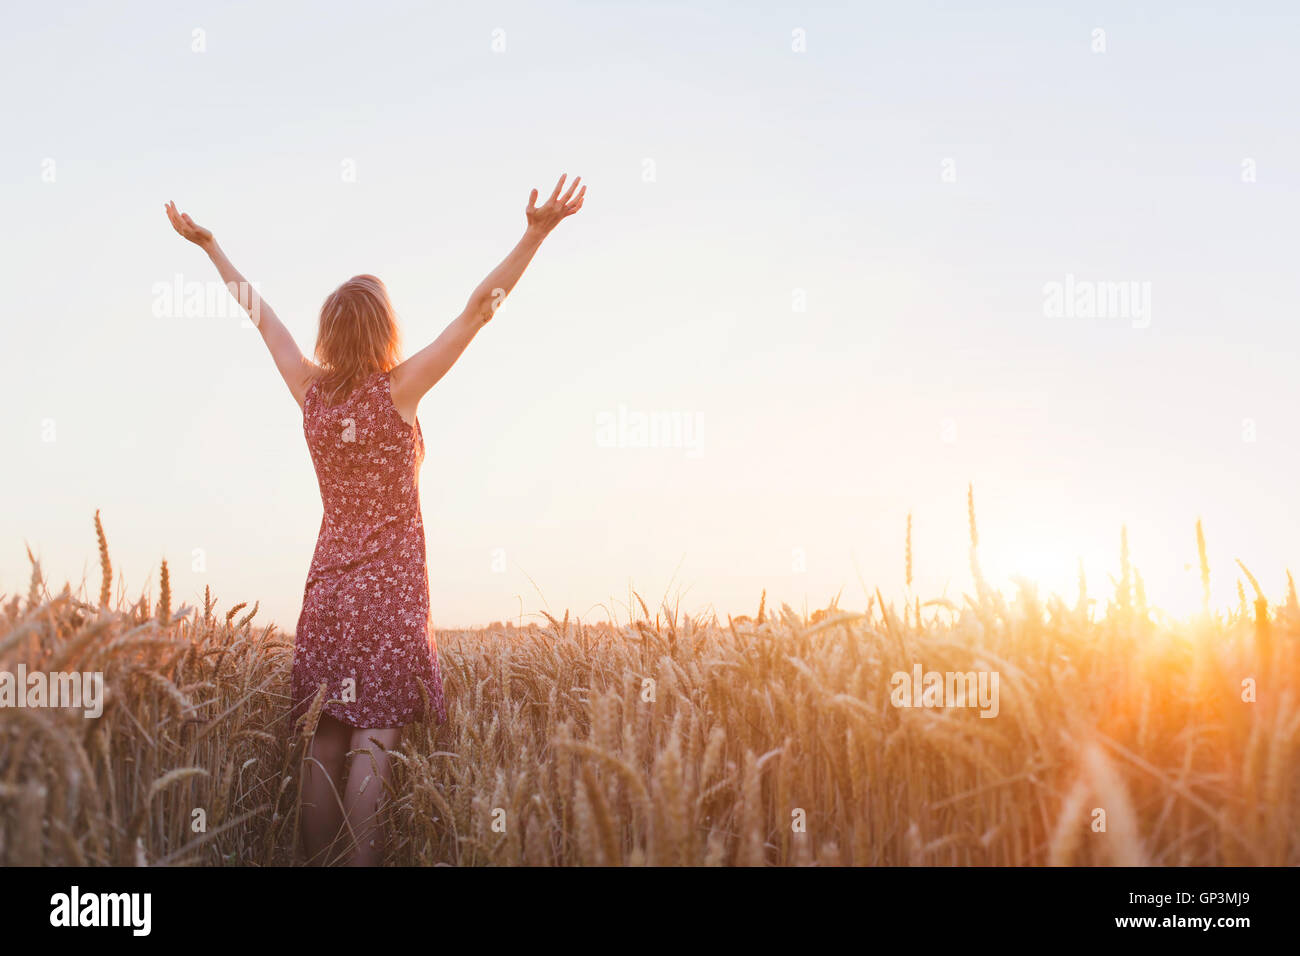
<point>403,395</point>
<point>309,374</point>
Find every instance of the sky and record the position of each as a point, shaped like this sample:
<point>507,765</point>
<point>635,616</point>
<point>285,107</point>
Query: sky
<point>831,242</point>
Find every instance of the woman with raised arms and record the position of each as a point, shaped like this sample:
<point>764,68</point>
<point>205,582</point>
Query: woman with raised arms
<point>363,639</point>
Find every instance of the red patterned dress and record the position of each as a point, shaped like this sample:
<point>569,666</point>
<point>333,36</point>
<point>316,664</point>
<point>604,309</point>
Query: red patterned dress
<point>365,608</point>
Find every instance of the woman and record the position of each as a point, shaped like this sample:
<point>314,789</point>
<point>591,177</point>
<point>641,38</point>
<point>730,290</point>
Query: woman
<point>363,633</point>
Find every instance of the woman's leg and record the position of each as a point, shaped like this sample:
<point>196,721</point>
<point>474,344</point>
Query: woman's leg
<point>322,788</point>
<point>369,769</point>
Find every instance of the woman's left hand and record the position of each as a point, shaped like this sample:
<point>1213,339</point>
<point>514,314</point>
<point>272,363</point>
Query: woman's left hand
<point>188,228</point>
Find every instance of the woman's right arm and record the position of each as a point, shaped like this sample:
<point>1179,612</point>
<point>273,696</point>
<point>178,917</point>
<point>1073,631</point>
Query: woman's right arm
<point>419,373</point>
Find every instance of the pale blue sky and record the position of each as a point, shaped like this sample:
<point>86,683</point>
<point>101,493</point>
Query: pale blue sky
<point>774,171</point>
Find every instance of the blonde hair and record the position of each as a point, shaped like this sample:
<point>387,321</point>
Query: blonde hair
<point>358,336</point>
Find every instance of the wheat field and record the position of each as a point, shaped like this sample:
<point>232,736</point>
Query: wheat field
<point>767,740</point>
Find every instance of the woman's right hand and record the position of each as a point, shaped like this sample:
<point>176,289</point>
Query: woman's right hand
<point>542,219</point>
<point>188,228</point>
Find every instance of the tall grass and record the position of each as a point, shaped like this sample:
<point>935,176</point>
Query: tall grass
<point>673,740</point>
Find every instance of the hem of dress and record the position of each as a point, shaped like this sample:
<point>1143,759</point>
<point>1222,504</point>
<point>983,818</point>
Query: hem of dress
<point>415,717</point>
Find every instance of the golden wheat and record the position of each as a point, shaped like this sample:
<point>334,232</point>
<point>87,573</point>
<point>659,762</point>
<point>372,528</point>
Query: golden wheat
<point>677,740</point>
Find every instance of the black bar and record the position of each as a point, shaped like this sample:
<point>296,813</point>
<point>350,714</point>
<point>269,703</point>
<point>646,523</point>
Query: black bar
<point>563,907</point>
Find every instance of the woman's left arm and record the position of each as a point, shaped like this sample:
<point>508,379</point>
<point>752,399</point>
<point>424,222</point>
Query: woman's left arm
<point>293,366</point>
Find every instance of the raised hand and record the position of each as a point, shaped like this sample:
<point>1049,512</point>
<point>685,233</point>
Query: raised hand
<point>187,227</point>
<point>547,216</point>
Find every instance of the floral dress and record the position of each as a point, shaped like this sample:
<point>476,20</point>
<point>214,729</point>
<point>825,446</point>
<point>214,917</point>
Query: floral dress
<point>364,628</point>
